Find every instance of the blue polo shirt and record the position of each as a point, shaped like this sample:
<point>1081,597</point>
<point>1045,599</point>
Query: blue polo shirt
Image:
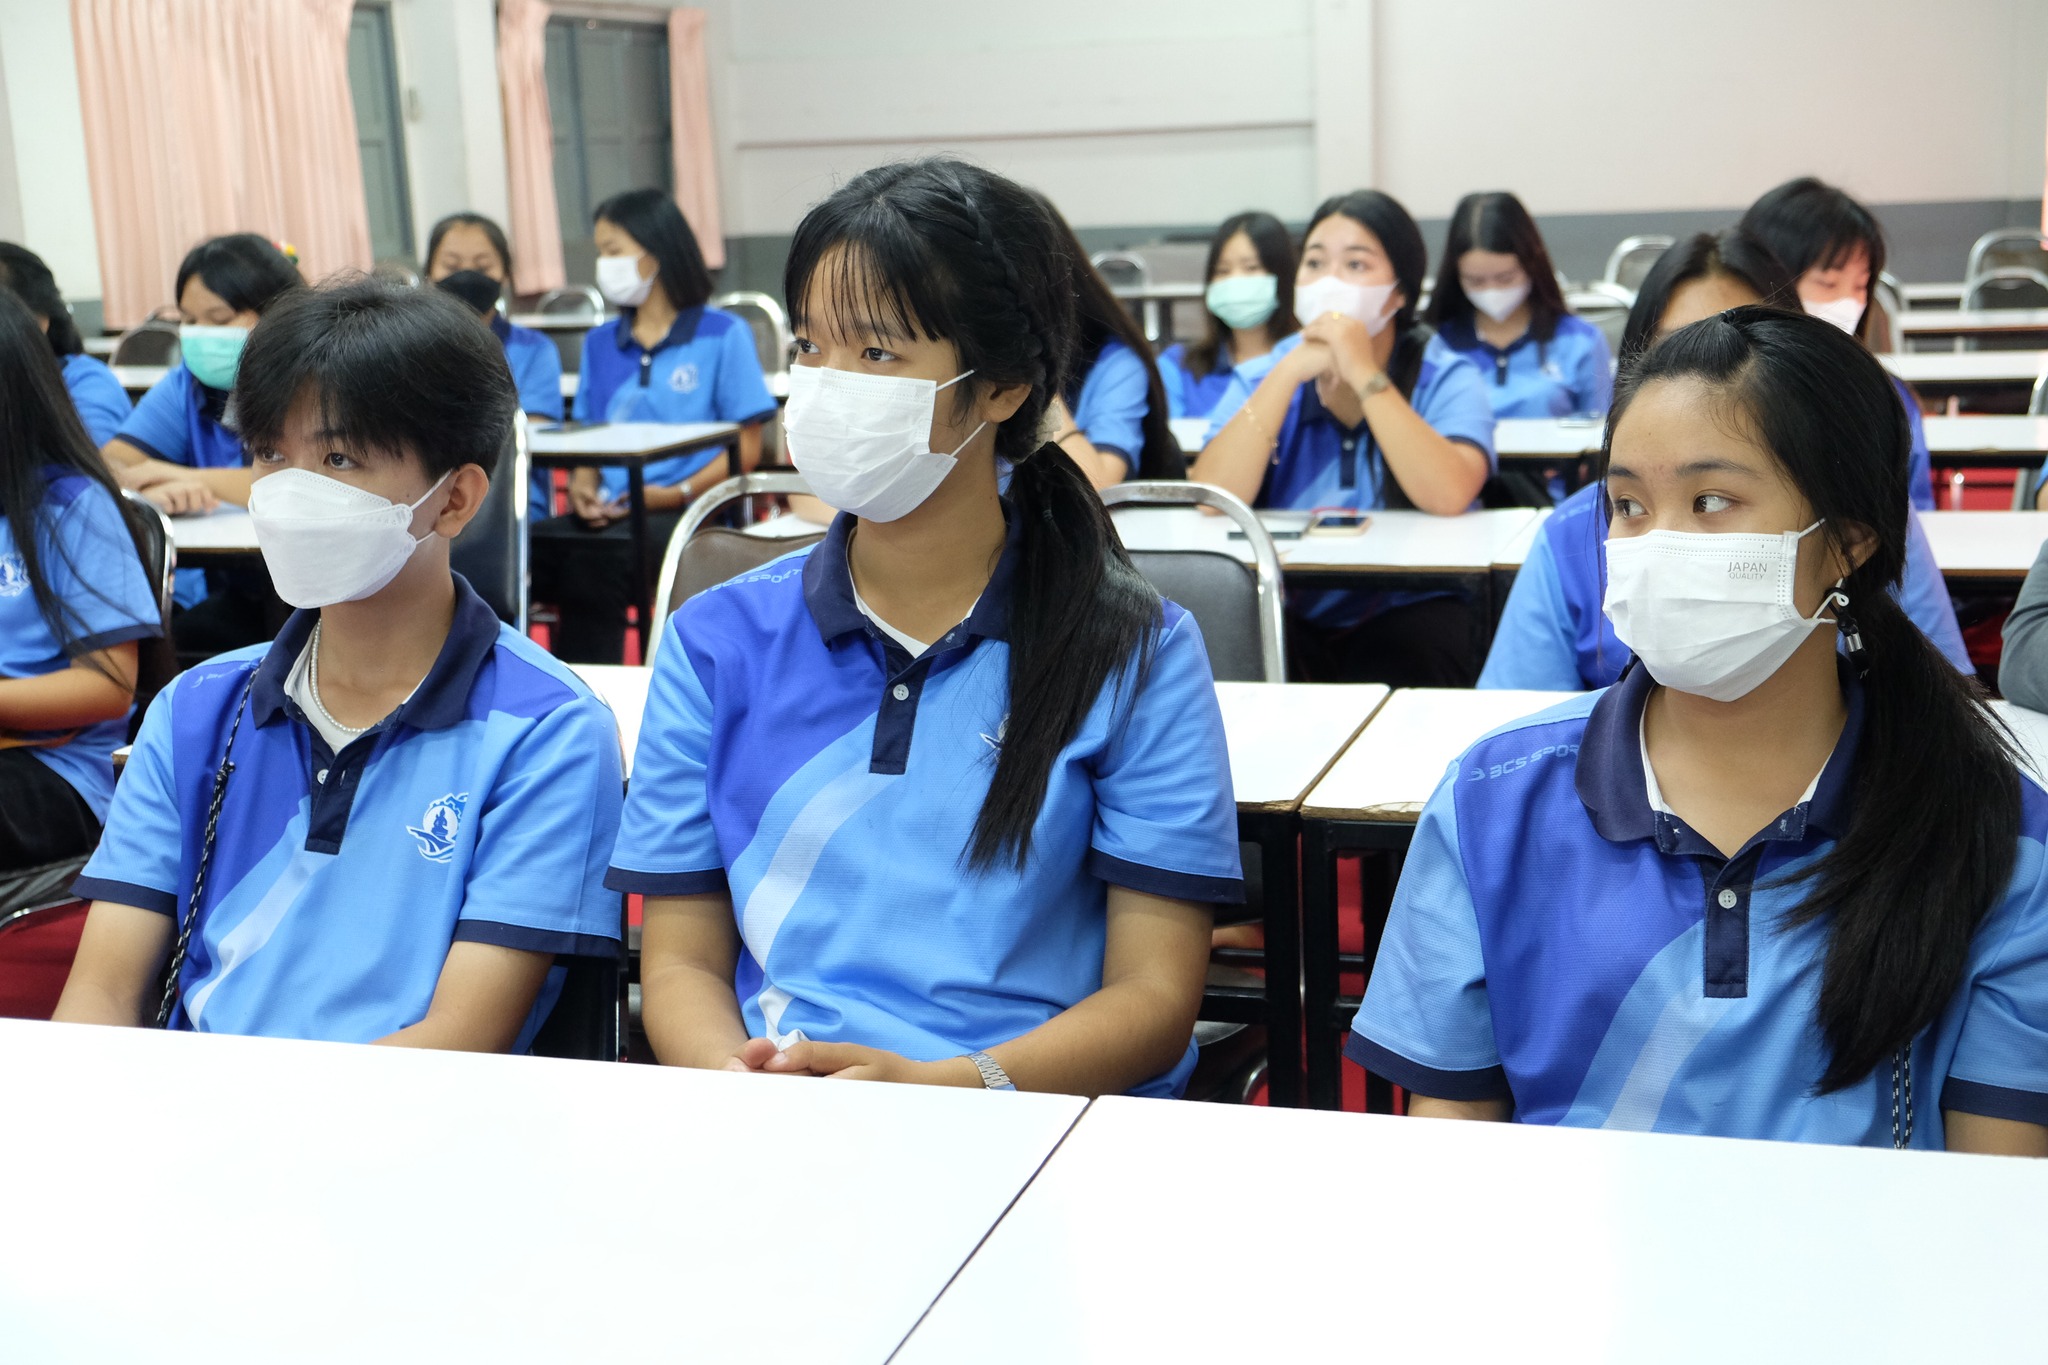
<point>537,373</point>
<point>1569,375</point>
<point>1110,410</point>
<point>705,370</point>
<point>1554,637</point>
<point>800,761</point>
<point>181,420</point>
<point>483,809</point>
<point>1920,477</point>
<point>92,566</point>
<point>101,401</point>
<point>1187,396</point>
<point>1558,942</point>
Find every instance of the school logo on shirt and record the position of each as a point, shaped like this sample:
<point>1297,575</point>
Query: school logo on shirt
<point>683,378</point>
<point>439,828</point>
<point>13,576</point>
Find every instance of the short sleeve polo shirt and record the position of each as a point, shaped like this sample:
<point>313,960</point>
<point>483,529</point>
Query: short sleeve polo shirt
<point>1558,942</point>
<point>537,373</point>
<point>101,401</point>
<point>93,568</point>
<point>705,370</point>
<point>483,809</point>
<point>1187,395</point>
<point>1554,636</point>
<point>837,816</point>
<point>182,421</point>
<point>1110,410</point>
<point>1570,374</point>
<point>1920,475</point>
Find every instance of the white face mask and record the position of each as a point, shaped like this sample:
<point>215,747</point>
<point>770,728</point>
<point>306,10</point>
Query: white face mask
<point>618,279</point>
<point>1366,303</point>
<point>1499,304</point>
<point>325,541</point>
<point>1713,615</point>
<point>1843,313</point>
<point>863,441</point>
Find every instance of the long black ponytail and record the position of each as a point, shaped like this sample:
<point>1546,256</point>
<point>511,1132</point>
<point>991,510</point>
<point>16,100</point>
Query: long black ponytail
<point>1934,833</point>
<point>943,249</point>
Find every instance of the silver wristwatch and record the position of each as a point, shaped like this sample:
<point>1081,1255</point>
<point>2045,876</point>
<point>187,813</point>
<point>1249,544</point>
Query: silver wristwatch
<point>993,1077</point>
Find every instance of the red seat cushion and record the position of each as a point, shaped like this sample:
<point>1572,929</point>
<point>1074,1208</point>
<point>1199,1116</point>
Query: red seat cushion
<point>35,958</point>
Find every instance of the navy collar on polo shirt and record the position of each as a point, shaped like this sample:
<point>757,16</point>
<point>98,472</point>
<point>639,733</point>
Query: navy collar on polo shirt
<point>441,699</point>
<point>1610,782</point>
<point>501,326</point>
<point>828,584</point>
<point>1462,334</point>
<point>680,333</point>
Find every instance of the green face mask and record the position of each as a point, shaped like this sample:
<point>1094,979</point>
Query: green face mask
<point>1243,300</point>
<point>213,354</point>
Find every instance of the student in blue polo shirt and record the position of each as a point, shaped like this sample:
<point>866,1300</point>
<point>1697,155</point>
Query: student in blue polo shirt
<point>1552,635</point>
<point>943,798</point>
<point>415,823</point>
<point>1498,304</point>
<point>1112,416</point>
<point>667,358</point>
<point>74,600</point>
<point>1835,249</point>
<point>1246,309</point>
<point>468,256</point>
<point>1754,889</point>
<point>101,401</point>
<point>1363,408</point>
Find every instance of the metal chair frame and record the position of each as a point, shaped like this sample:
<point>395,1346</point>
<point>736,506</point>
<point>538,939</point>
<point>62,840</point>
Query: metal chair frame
<point>770,308</point>
<point>1984,245</point>
<point>2014,273</point>
<point>167,570</point>
<point>770,483</point>
<point>1265,559</point>
<point>1627,247</point>
<point>587,298</point>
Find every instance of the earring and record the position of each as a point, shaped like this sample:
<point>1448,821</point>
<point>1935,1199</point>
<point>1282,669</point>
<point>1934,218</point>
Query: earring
<point>1852,636</point>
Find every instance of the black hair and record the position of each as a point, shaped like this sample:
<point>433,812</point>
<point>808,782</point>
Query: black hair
<point>24,272</point>
<point>1809,223</point>
<point>1934,832</point>
<point>1275,245</point>
<point>1732,253</point>
<point>1496,221</point>
<point>247,271</point>
<point>1099,315</point>
<point>946,250</point>
<point>42,439</point>
<point>1384,217</point>
<point>493,234</point>
<point>396,370</point>
<point>651,218</point>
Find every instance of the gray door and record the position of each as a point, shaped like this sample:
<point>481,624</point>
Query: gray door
<point>380,131</point>
<point>608,100</point>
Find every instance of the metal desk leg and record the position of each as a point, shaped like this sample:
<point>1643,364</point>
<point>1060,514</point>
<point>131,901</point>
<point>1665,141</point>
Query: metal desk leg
<point>1319,963</point>
<point>636,518</point>
<point>1279,851</point>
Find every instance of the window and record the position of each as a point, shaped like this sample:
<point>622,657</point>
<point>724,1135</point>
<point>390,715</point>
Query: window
<point>608,100</point>
<point>380,131</point>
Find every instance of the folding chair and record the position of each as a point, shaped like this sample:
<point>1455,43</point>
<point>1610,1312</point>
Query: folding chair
<point>492,552</point>
<point>154,342</point>
<point>37,943</point>
<point>1631,259</point>
<point>2007,248</point>
<point>701,556</point>
<point>573,301</point>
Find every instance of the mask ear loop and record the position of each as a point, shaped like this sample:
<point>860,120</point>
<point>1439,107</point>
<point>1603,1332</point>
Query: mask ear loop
<point>1852,635</point>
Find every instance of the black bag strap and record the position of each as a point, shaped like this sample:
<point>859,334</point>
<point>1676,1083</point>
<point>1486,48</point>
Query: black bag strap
<point>167,1000</point>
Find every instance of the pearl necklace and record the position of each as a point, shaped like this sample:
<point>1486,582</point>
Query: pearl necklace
<point>313,687</point>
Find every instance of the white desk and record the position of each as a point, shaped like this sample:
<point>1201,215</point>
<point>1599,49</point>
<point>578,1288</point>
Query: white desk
<point>1510,557</point>
<point>101,346</point>
<point>1985,544</point>
<point>1389,772</point>
<point>225,532</point>
<point>557,322</point>
<point>1943,294</point>
<point>778,385</point>
<point>1380,1238</point>
<point>1396,542</point>
<point>623,687</point>
<point>1547,438</point>
<point>1921,324</point>
<point>1947,370</point>
<point>345,1203</point>
<point>139,379</point>
<point>1983,441</point>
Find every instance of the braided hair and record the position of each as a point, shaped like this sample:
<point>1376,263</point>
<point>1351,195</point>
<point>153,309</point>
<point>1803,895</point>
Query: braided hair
<point>947,251</point>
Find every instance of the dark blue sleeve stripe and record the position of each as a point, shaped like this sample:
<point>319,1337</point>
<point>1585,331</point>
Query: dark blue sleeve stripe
<point>761,416</point>
<point>1161,881</point>
<point>703,883</point>
<point>560,942</point>
<point>106,639</point>
<point>1488,1084</point>
<point>1995,1101</point>
<point>125,893</point>
<point>143,446</point>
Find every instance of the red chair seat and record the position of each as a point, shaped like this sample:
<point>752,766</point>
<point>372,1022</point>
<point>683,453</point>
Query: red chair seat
<point>36,948</point>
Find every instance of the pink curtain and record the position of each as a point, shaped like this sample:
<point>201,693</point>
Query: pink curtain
<point>536,225</point>
<point>689,114</point>
<point>212,116</point>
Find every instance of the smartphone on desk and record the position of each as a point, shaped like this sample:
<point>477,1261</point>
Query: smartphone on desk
<point>1339,521</point>
<point>1281,525</point>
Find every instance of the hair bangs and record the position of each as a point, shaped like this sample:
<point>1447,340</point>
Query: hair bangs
<point>873,276</point>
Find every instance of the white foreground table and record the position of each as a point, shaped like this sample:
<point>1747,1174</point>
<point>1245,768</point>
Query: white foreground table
<point>224,533</point>
<point>1406,1239</point>
<point>1396,542</point>
<point>1985,544</point>
<point>328,1203</point>
<point>1389,772</point>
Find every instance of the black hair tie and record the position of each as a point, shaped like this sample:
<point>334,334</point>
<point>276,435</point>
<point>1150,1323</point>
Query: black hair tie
<point>1852,635</point>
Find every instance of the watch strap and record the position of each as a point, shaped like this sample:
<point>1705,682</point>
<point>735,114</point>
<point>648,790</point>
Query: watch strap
<point>993,1077</point>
